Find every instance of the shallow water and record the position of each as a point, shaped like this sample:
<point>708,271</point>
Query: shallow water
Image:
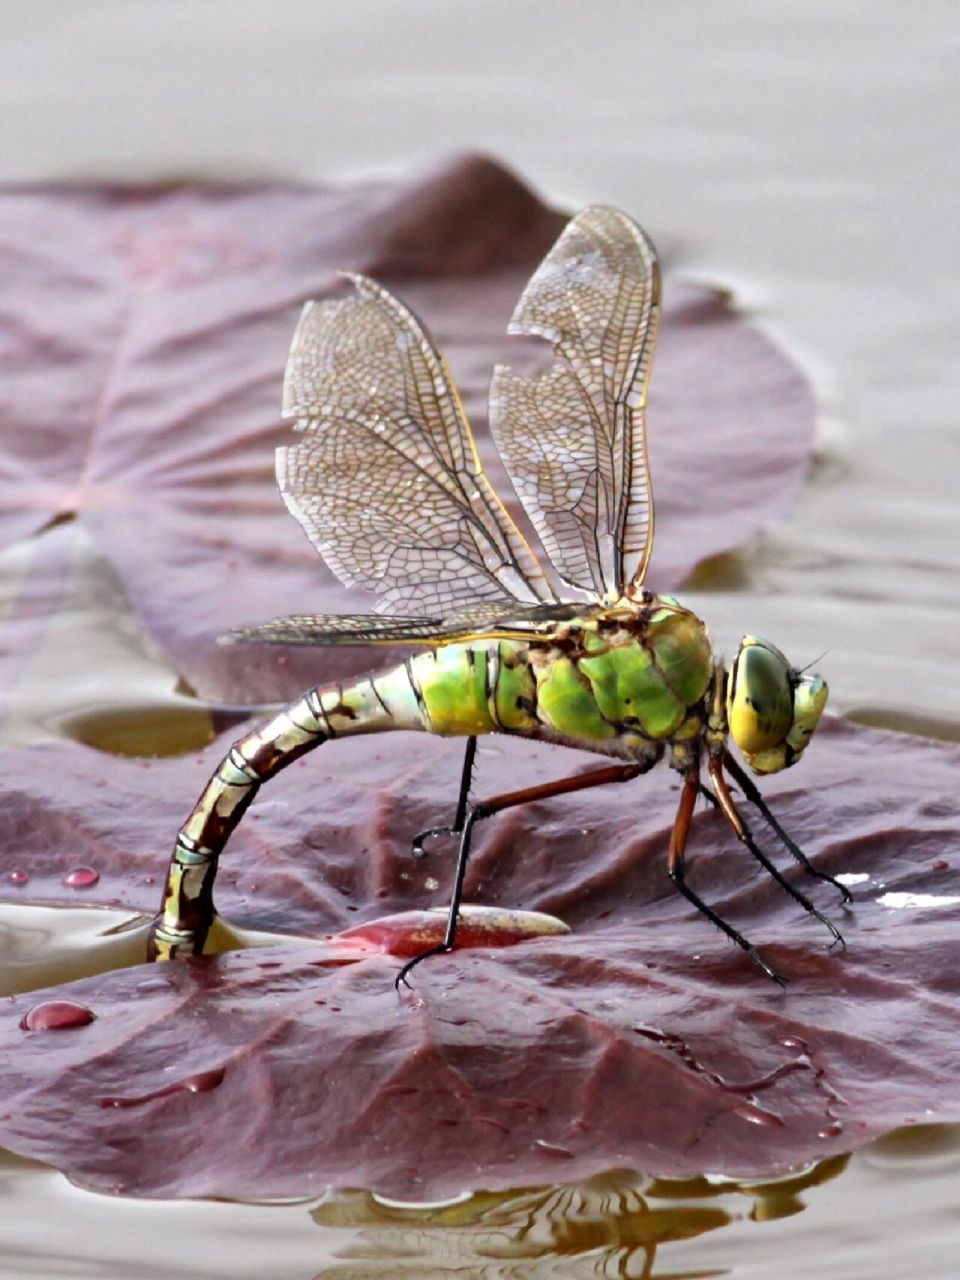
<point>819,1222</point>
<point>798,157</point>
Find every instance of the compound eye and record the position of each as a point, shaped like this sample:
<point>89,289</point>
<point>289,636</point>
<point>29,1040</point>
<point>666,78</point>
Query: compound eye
<point>760,699</point>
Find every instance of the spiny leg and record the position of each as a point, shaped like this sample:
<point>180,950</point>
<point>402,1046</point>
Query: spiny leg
<point>476,813</point>
<point>676,867</point>
<point>496,804</point>
<point>745,836</point>
<point>456,827</point>
<point>752,793</point>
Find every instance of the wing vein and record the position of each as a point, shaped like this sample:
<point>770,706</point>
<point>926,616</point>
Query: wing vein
<point>573,437</point>
<point>386,481</point>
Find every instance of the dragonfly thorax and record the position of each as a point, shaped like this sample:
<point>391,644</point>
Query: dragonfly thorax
<point>630,680</point>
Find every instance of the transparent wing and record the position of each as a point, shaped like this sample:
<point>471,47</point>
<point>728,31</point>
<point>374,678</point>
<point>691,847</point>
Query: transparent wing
<point>573,438</point>
<point>387,483</point>
<point>366,628</point>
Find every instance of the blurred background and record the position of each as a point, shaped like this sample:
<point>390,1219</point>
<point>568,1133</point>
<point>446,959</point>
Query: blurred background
<point>803,156</point>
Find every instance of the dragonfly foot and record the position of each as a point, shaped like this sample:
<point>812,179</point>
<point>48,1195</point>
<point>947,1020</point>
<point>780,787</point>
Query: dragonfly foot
<point>846,897</point>
<point>401,977</point>
<point>838,938</point>
<point>762,965</point>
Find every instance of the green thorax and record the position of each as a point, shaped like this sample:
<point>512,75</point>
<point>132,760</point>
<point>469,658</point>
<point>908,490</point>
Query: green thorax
<point>595,681</point>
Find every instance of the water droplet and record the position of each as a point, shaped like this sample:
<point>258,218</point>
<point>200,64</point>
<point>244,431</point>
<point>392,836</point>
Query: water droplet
<point>201,1082</point>
<point>81,877</point>
<point>551,1149</point>
<point>149,879</point>
<point>430,884</point>
<point>19,876</point>
<point>941,864</point>
<point>56,1015</point>
<point>831,1130</point>
<point>757,1115</point>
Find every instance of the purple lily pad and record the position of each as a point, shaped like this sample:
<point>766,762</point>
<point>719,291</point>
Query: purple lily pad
<point>145,336</point>
<point>279,1071</point>
<point>327,843</point>
<point>147,340</point>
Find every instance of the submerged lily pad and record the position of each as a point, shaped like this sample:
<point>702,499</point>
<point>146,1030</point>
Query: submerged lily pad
<point>275,1072</point>
<point>143,356</point>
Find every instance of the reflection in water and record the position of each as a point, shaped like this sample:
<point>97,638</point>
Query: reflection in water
<point>610,1225</point>
<point>923,1148</point>
<point>903,720</point>
<point>152,729</point>
<point>893,1212</point>
<point>43,946</point>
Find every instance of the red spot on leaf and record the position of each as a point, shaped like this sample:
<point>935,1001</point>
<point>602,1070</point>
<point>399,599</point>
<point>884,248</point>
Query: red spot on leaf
<point>56,1015</point>
<point>81,878</point>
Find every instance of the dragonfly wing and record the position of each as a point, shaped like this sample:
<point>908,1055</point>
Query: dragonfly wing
<point>574,438</point>
<point>366,628</point>
<point>387,482</point>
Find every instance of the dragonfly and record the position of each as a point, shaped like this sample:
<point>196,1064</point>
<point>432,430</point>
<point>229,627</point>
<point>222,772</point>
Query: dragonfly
<point>569,648</point>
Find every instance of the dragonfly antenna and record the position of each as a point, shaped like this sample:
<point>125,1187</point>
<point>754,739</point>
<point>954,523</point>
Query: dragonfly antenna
<point>819,658</point>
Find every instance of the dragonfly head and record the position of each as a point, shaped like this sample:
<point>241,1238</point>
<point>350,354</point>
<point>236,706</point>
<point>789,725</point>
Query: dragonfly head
<point>772,709</point>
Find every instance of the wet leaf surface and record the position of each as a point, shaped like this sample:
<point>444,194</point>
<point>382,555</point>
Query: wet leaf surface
<point>640,1039</point>
<point>145,332</point>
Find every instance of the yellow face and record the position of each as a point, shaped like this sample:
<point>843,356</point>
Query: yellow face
<point>772,710</point>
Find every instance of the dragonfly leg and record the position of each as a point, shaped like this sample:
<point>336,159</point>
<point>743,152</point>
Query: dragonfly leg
<point>476,813</point>
<point>752,793</point>
<point>456,827</point>
<point>496,804</point>
<point>676,867</point>
<point>708,795</point>
<point>745,836</point>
